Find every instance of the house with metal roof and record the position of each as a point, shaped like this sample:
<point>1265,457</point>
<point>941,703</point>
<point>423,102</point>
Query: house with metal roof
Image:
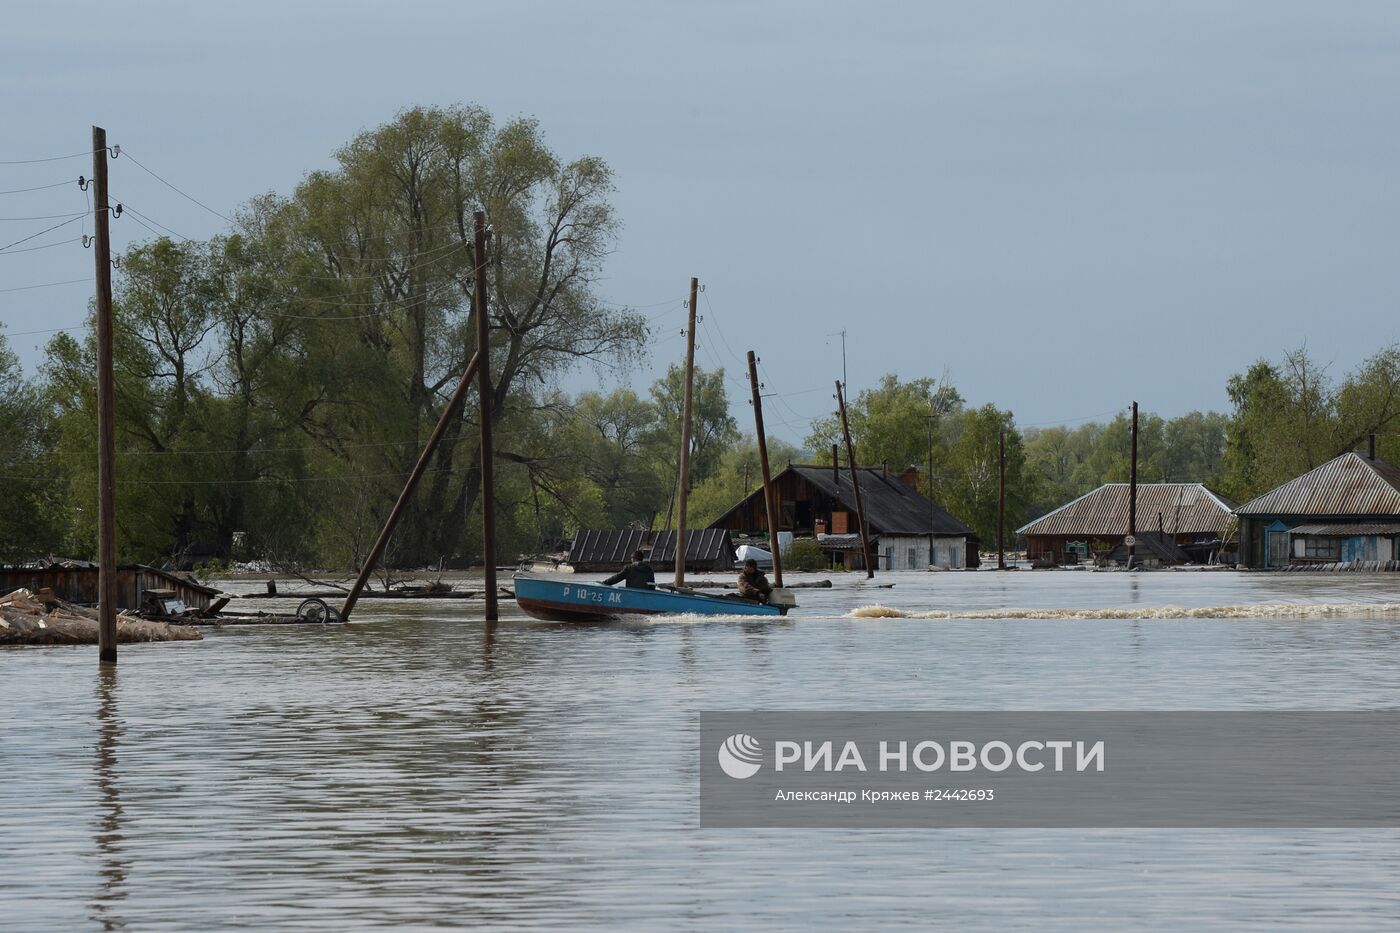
<point>1346,511</point>
<point>908,530</point>
<point>1190,522</point>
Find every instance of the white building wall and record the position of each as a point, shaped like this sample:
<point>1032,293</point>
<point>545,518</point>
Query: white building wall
<point>911,552</point>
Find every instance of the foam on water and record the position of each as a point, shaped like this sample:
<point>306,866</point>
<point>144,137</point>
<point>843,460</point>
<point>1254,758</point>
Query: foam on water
<point>1265,611</point>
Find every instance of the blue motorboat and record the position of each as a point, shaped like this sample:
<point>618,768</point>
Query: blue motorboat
<point>556,600</point>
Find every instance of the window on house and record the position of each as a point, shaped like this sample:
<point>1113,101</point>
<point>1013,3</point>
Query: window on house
<point>911,559</point>
<point>1323,548</point>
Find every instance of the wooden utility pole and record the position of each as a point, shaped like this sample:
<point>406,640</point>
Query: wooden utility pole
<point>454,406</point>
<point>932,506</point>
<point>685,434</point>
<point>1132,496</point>
<point>106,417</point>
<point>1001,505</point>
<point>770,495</point>
<point>855,484</point>
<point>485,390</point>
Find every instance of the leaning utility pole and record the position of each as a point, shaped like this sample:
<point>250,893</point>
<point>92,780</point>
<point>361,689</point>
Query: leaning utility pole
<point>484,390</point>
<point>685,434</point>
<point>1001,506</point>
<point>855,484</point>
<point>106,418</point>
<point>454,406</point>
<point>1132,496</point>
<point>770,495</point>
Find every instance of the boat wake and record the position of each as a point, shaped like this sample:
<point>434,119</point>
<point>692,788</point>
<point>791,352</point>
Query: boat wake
<point>1256,611</point>
<point>691,618</point>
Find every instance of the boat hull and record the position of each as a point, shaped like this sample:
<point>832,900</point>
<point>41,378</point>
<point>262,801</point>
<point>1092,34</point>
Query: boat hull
<point>568,601</point>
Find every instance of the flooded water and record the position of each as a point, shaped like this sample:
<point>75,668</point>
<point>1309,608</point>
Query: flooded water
<point>418,769</point>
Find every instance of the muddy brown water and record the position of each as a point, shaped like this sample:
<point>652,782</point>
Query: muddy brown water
<point>418,769</point>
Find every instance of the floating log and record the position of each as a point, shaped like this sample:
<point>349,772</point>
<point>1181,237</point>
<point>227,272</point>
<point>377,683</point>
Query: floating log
<point>392,594</point>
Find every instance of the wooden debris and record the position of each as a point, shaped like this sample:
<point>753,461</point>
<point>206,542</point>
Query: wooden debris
<point>28,618</point>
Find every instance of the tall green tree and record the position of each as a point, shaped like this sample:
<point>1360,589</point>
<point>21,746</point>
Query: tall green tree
<point>34,516</point>
<point>713,430</point>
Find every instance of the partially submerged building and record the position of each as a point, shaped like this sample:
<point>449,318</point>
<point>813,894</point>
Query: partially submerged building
<point>76,581</point>
<point>908,530</point>
<point>1346,511</point>
<point>1187,520</point>
<point>706,550</point>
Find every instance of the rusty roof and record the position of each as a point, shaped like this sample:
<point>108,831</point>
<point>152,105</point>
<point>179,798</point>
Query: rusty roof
<point>1185,508</point>
<point>1347,485</point>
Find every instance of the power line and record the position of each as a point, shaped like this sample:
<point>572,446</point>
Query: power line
<point>45,216</point>
<point>25,288</point>
<point>49,159</point>
<point>57,184</point>
<point>30,249</point>
<point>181,193</point>
<point>51,330</point>
<point>41,232</point>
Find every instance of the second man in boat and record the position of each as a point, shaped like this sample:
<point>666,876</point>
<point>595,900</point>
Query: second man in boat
<point>753,584</point>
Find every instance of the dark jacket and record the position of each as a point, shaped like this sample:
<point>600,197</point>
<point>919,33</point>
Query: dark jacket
<point>754,585</point>
<point>639,576</point>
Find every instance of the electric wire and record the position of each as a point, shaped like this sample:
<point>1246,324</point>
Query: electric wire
<point>60,158</point>
<point>40,233</point>
<point>57,184</point>
<point>25,288</point>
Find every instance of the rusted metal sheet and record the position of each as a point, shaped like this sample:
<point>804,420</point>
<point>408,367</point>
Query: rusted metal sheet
<point>1185,509</point>
<point>1347,485</point>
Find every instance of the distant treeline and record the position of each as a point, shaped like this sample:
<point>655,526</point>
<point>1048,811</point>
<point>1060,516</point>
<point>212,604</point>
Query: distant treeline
<point>276,383</point>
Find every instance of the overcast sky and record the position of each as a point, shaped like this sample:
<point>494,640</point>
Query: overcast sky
<point>1065,206</point>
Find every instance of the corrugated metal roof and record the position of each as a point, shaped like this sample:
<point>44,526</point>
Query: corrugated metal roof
<point>1347,485</point>
<point>1186,509</point>
<point>617,547</point>
<point>701,544</point>
<point>1347,530</point>
<point>891,506</point>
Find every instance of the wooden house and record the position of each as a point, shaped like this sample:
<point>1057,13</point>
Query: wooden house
<point>908,531</point>
<point>1346,511</point>
<point>1188,516</point>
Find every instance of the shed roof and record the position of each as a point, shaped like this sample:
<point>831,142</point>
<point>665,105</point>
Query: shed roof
<point>1347,485</point>
<point>1186,509</point>
<point>1348,530</point>
<point>74,565</point>
<point>603,547</point>
<point>891,506</point>
<point>1150,543</point>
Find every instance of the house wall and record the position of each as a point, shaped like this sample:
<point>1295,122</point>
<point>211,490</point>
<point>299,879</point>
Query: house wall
<point>79,585</point>
<point>1267,543</point>
<point>901,552</point>
<point>911,552</point>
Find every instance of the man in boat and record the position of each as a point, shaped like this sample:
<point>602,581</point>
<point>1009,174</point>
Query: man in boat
<point>753,584</point>
<point>637,575</point>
